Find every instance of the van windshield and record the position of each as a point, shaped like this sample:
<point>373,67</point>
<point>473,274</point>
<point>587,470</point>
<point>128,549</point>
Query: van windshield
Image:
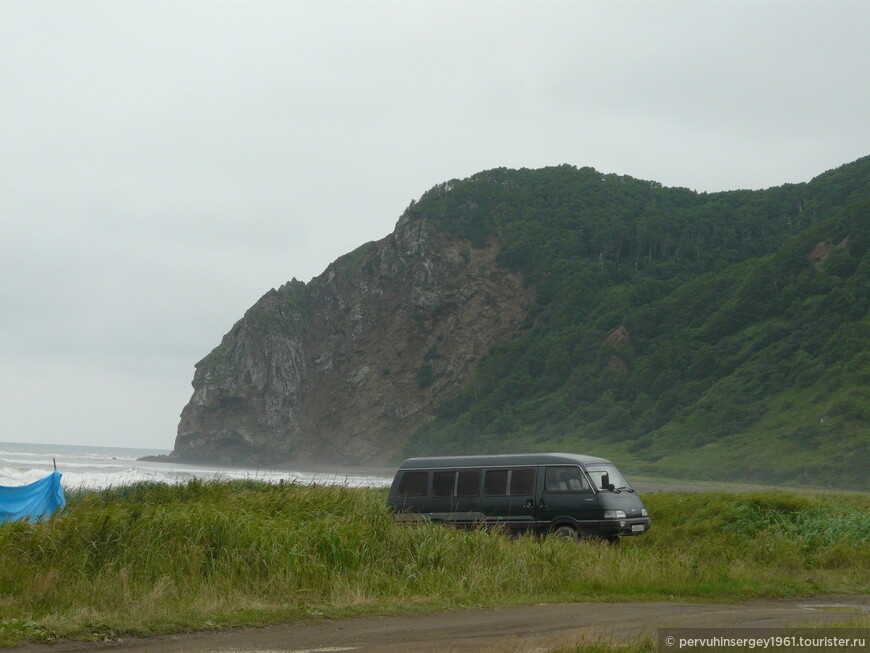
<point>597,470</point>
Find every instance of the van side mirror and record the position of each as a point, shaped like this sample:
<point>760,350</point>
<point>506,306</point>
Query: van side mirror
<point>605,481</point>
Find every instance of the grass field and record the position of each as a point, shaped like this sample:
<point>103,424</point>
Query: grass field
<point>153,558</point>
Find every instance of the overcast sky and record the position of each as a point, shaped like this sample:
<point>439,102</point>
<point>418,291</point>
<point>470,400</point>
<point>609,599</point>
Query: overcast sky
<point>163,165</point>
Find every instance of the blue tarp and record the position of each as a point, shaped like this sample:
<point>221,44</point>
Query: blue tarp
<point>39,499</point>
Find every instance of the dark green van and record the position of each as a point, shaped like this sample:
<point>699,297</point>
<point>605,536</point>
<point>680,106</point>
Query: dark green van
<point>567,494</point>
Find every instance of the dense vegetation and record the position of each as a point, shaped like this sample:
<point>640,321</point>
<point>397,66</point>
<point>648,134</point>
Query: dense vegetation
<point>719,335</point>
<point>156,558</point>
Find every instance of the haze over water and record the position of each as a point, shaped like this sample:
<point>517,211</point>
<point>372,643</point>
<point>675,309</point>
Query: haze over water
<point>101,467</point>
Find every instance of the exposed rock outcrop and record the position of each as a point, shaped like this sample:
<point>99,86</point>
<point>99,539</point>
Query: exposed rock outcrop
<point>619,337</point>
<point>345,367</point>
<point>823,250</point>
<point>619,341</point>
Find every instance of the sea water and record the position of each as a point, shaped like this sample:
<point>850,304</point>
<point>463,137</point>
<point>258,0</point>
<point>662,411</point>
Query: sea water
<point>102,467</point>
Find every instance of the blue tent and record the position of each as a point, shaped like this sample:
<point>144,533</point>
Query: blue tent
<point>39,499</point>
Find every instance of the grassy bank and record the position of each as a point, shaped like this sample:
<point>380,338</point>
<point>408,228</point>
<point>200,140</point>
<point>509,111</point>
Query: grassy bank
<point>156,558</point>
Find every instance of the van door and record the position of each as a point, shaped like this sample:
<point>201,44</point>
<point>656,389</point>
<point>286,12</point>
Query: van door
<point>455,496</point>
<point>567,497</point>
<point>509,497</point>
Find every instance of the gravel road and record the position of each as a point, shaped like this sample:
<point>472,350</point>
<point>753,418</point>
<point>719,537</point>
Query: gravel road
<point>472,630</point>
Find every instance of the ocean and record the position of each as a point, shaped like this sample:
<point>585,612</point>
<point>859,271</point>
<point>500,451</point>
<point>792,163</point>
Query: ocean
<point>102,467</point>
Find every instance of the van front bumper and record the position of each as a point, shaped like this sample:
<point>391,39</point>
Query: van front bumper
<point>637,526</point>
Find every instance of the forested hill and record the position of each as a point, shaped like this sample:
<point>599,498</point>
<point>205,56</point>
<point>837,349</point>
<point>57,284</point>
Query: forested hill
<point>688,334</point>
<point>721,335</point>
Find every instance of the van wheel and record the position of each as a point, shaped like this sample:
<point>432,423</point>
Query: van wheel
<point>565,532</point>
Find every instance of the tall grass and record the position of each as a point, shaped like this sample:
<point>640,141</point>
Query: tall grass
<point>156,558</point>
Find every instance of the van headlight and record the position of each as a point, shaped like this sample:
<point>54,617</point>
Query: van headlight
<point>614,514</point>
<point>643,512</point>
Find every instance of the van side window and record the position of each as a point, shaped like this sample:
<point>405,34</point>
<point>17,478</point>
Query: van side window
<point>469,483</point>
<point>565,479</point>
<point>523,481</point>
<point>413,484</point>
<point>495,483</point>
<point>443,484</point>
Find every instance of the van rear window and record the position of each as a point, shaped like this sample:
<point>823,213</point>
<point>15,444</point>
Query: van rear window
<point>413,484</point>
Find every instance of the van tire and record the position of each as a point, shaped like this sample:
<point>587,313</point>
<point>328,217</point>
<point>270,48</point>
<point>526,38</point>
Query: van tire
<point>565,532</point>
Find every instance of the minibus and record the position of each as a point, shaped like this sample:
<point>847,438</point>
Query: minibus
<point>568,495</point>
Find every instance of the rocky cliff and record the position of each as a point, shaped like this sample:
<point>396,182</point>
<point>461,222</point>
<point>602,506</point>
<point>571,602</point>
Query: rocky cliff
<point>344,368</point>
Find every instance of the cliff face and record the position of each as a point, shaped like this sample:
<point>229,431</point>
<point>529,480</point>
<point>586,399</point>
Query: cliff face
<point>342,369</point>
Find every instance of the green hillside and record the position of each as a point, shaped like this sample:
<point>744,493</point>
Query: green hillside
<point>721,336</point>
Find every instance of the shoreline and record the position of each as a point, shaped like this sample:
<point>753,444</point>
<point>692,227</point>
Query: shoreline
<point>289,466</point>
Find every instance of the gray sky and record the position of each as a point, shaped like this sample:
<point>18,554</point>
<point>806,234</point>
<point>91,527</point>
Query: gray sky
<point>162,165</point>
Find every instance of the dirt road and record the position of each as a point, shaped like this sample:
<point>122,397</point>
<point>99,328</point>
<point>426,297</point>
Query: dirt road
<point>473,630</point>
